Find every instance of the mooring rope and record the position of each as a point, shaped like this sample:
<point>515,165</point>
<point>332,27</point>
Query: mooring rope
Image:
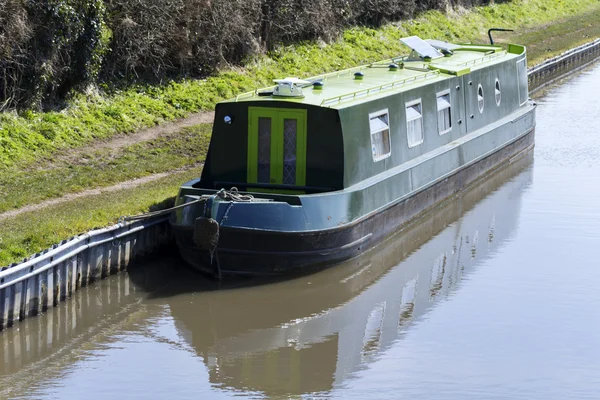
<point>230,195</point>
<point>158,213</point>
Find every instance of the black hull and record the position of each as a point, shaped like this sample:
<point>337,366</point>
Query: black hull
<point>255,252</point>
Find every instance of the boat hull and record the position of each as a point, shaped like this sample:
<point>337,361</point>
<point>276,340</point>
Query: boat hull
<point>243,251</point>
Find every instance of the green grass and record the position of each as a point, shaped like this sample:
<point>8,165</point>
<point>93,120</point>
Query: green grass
<point>92,116</point>
<point>553,39</point>
<point>54,178</point>
<point>29,233</point>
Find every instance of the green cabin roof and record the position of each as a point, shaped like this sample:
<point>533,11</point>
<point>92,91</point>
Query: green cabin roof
<point>342,89</point>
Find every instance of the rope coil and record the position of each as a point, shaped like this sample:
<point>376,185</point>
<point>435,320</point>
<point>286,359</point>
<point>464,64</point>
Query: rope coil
<point>228,195</point>
<point>234,195</point>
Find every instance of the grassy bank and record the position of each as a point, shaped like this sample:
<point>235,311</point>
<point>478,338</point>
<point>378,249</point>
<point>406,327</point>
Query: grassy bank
<point>111,111</point>
<point>36,174</point>
<point>28,233</point>
<point>554,38</point>
<point>56,177</point>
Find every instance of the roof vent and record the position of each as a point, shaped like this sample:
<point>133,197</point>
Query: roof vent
<point>289,87</point>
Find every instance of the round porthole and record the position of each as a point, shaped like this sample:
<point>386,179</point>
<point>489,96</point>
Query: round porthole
<point>497,92</point>
<point>480,98</point>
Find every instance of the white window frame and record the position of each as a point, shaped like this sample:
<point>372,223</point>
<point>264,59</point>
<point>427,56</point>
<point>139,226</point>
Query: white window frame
<point>497,96</point>
<point>375,115</point>
<point>440,94</point>
<point>406,106</point>
<point>482,106</point>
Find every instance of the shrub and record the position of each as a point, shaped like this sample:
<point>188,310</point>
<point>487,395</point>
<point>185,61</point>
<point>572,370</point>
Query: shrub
<point>49,47</point>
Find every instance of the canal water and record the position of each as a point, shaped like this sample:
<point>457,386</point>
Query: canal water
<point>495,295</point>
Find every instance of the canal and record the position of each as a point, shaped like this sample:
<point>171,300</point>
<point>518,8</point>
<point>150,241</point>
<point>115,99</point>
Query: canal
<point>494,295</point>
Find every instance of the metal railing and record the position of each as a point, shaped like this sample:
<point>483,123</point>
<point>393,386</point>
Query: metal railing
<point>482,59</point>
<point>377,89</point>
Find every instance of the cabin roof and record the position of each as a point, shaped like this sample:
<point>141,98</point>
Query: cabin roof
<point>341,89</point>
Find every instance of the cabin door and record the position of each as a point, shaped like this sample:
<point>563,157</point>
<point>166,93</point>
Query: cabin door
<point>277,146</point>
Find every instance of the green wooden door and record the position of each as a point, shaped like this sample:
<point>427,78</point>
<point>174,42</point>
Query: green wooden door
<point>277,146</point>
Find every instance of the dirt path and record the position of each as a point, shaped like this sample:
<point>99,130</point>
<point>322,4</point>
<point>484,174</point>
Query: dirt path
<point>92,192</point>
<point>115,143</point>
<point>123,140</point>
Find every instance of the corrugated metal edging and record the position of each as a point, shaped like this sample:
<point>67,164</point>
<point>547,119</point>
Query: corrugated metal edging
<point>47,278</point>
<point>556,67</point>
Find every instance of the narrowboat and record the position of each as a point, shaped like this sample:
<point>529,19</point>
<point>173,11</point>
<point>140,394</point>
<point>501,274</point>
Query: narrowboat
<point>310,172</point>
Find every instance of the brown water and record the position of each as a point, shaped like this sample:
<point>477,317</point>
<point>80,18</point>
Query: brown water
<point>494,296</point>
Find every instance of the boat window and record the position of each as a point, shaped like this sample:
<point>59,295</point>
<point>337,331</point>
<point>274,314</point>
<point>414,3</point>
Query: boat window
<point>444,112</point>
<point>497,92</point>
<point>480,98</point>
<point>414,123</point>
<point>264,150</point>
<point>289,151</point>
<point>380,134</point>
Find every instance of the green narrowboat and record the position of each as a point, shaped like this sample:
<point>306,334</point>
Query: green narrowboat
<point>310,172</point>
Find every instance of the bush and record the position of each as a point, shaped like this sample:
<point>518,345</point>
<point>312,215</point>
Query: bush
<point>146,38</point>
<point>221,32</point>
<point>51,47</point>
<point>15,31</point>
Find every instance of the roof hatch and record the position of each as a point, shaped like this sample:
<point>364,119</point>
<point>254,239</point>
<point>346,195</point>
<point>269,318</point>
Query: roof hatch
<point>290,87</point>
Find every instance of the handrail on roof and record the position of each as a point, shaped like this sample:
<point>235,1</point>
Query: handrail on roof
<point>327,75</point>
<point>484,58</point>
<point>244,95</point>
<point>378,89</point>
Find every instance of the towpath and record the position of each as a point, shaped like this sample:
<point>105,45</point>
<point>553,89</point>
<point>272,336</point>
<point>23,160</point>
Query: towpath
<point>130,184</point>
<point>123,140</point>
<point>116,143</point>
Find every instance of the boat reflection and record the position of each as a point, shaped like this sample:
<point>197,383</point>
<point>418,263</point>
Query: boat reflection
<point>309,334</point>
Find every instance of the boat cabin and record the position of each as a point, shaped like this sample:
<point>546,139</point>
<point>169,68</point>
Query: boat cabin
<point>333,131</point>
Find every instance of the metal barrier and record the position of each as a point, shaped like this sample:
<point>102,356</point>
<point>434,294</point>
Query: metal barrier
<point>31,287</point>
<point>547,72</point>
<point>41,282</point>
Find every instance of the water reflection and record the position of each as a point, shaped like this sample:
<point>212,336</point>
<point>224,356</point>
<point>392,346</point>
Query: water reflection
<point>310,334</point>
<point>39,350</point>
<point>293,337</point>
